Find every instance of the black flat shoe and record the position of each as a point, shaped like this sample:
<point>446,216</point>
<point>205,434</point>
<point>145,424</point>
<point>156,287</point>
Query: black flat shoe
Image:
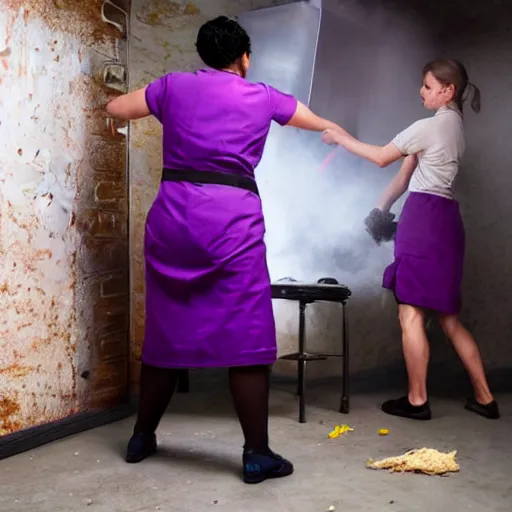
<point>490,411</point>
<point>140,447</point>
<point>404,409</point>
<point>258,467</point>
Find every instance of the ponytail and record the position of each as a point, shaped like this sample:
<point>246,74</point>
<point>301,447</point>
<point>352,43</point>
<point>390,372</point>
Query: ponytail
<point>472,93</point>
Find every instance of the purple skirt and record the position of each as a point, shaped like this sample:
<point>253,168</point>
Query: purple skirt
<point>208,295</point>
<point>429,254</point>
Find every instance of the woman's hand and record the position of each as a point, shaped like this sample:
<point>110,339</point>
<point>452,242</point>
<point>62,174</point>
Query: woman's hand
<point>331,137</point>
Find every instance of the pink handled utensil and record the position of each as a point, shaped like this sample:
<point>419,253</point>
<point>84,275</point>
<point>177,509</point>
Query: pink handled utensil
<point>328,159</point>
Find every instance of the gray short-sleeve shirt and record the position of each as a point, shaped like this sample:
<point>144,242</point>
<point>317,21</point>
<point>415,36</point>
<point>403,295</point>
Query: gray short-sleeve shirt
<point>439,144</point>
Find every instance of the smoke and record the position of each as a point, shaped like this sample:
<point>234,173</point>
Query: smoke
<point>367,74</point>
<point>314,219</point>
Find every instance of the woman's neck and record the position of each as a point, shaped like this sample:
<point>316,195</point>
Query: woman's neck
<point>451,106</point>
<point>232,71</point>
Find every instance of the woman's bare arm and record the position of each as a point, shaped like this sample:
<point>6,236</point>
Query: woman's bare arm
<point>399,184</point>
<point>305,119</point>
<point>129,106</point>
<point>379,155</point>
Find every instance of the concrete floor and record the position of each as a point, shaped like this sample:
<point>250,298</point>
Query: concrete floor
<point>198,466</point>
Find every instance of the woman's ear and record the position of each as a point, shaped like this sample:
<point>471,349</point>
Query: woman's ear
<point>450,90</point>
<point>245,63</point>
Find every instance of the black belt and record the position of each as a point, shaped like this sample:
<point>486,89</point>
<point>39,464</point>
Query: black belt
<point>210,177</point>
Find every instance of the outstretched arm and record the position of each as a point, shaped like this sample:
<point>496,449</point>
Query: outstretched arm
<point>398,184</point>
<point>379,155</point>
<point>305,119</point>
<point>414,139</point>
<point>129,106</point>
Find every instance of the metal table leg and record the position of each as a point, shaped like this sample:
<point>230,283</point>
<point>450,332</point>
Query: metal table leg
<point>345,405</point>
<point>301,363</point>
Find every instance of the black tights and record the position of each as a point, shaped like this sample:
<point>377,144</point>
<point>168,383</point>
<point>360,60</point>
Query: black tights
<point>249,386</point>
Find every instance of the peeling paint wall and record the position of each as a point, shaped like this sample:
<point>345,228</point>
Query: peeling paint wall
<point>63,213</point>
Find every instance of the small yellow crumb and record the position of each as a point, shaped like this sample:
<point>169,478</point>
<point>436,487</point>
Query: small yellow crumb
<point>383,432</point>
<point>339,430</point>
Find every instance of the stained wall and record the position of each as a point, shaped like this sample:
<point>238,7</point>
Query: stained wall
<point>63,212</point>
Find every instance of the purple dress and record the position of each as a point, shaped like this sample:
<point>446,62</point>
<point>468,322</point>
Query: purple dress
<point>208,296</point>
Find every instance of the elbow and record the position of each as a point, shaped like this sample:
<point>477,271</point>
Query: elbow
<point>386,155</point>
<point>382,162</point>
<point>381,159</point>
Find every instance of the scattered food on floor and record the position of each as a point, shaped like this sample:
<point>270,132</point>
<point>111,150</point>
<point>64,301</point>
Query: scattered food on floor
<point>88,502</point>
<point>331,508</point>
<point>339,430</point>
<point>424,460</point>
<point>383,432</point>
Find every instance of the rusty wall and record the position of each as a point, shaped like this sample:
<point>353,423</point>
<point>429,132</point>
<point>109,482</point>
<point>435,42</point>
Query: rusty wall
<point>63,211</point>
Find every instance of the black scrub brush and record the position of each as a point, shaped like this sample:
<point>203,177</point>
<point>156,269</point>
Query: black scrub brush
<point>381,226</point>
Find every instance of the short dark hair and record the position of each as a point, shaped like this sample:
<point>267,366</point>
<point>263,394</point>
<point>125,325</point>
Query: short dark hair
<point>452,72</point>
<point>221,42</point>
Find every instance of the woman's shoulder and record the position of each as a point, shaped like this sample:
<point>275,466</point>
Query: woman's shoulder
<point>264,86</point>
<point>425,121</point>
<point>180,75</point>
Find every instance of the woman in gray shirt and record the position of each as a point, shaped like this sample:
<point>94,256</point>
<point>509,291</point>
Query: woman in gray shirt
<point>429,245</point>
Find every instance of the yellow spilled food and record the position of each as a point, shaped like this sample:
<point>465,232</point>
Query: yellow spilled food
<point>424,460</point>
<point>339,430</point>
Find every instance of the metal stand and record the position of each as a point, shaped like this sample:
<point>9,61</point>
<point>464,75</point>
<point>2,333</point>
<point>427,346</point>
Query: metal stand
<point>302,357</point>
<point>301,363</point>
<point>345,403</point>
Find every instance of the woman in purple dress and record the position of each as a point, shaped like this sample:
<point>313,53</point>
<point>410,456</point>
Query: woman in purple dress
<point>429,243</point>
<point>208,294</point>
